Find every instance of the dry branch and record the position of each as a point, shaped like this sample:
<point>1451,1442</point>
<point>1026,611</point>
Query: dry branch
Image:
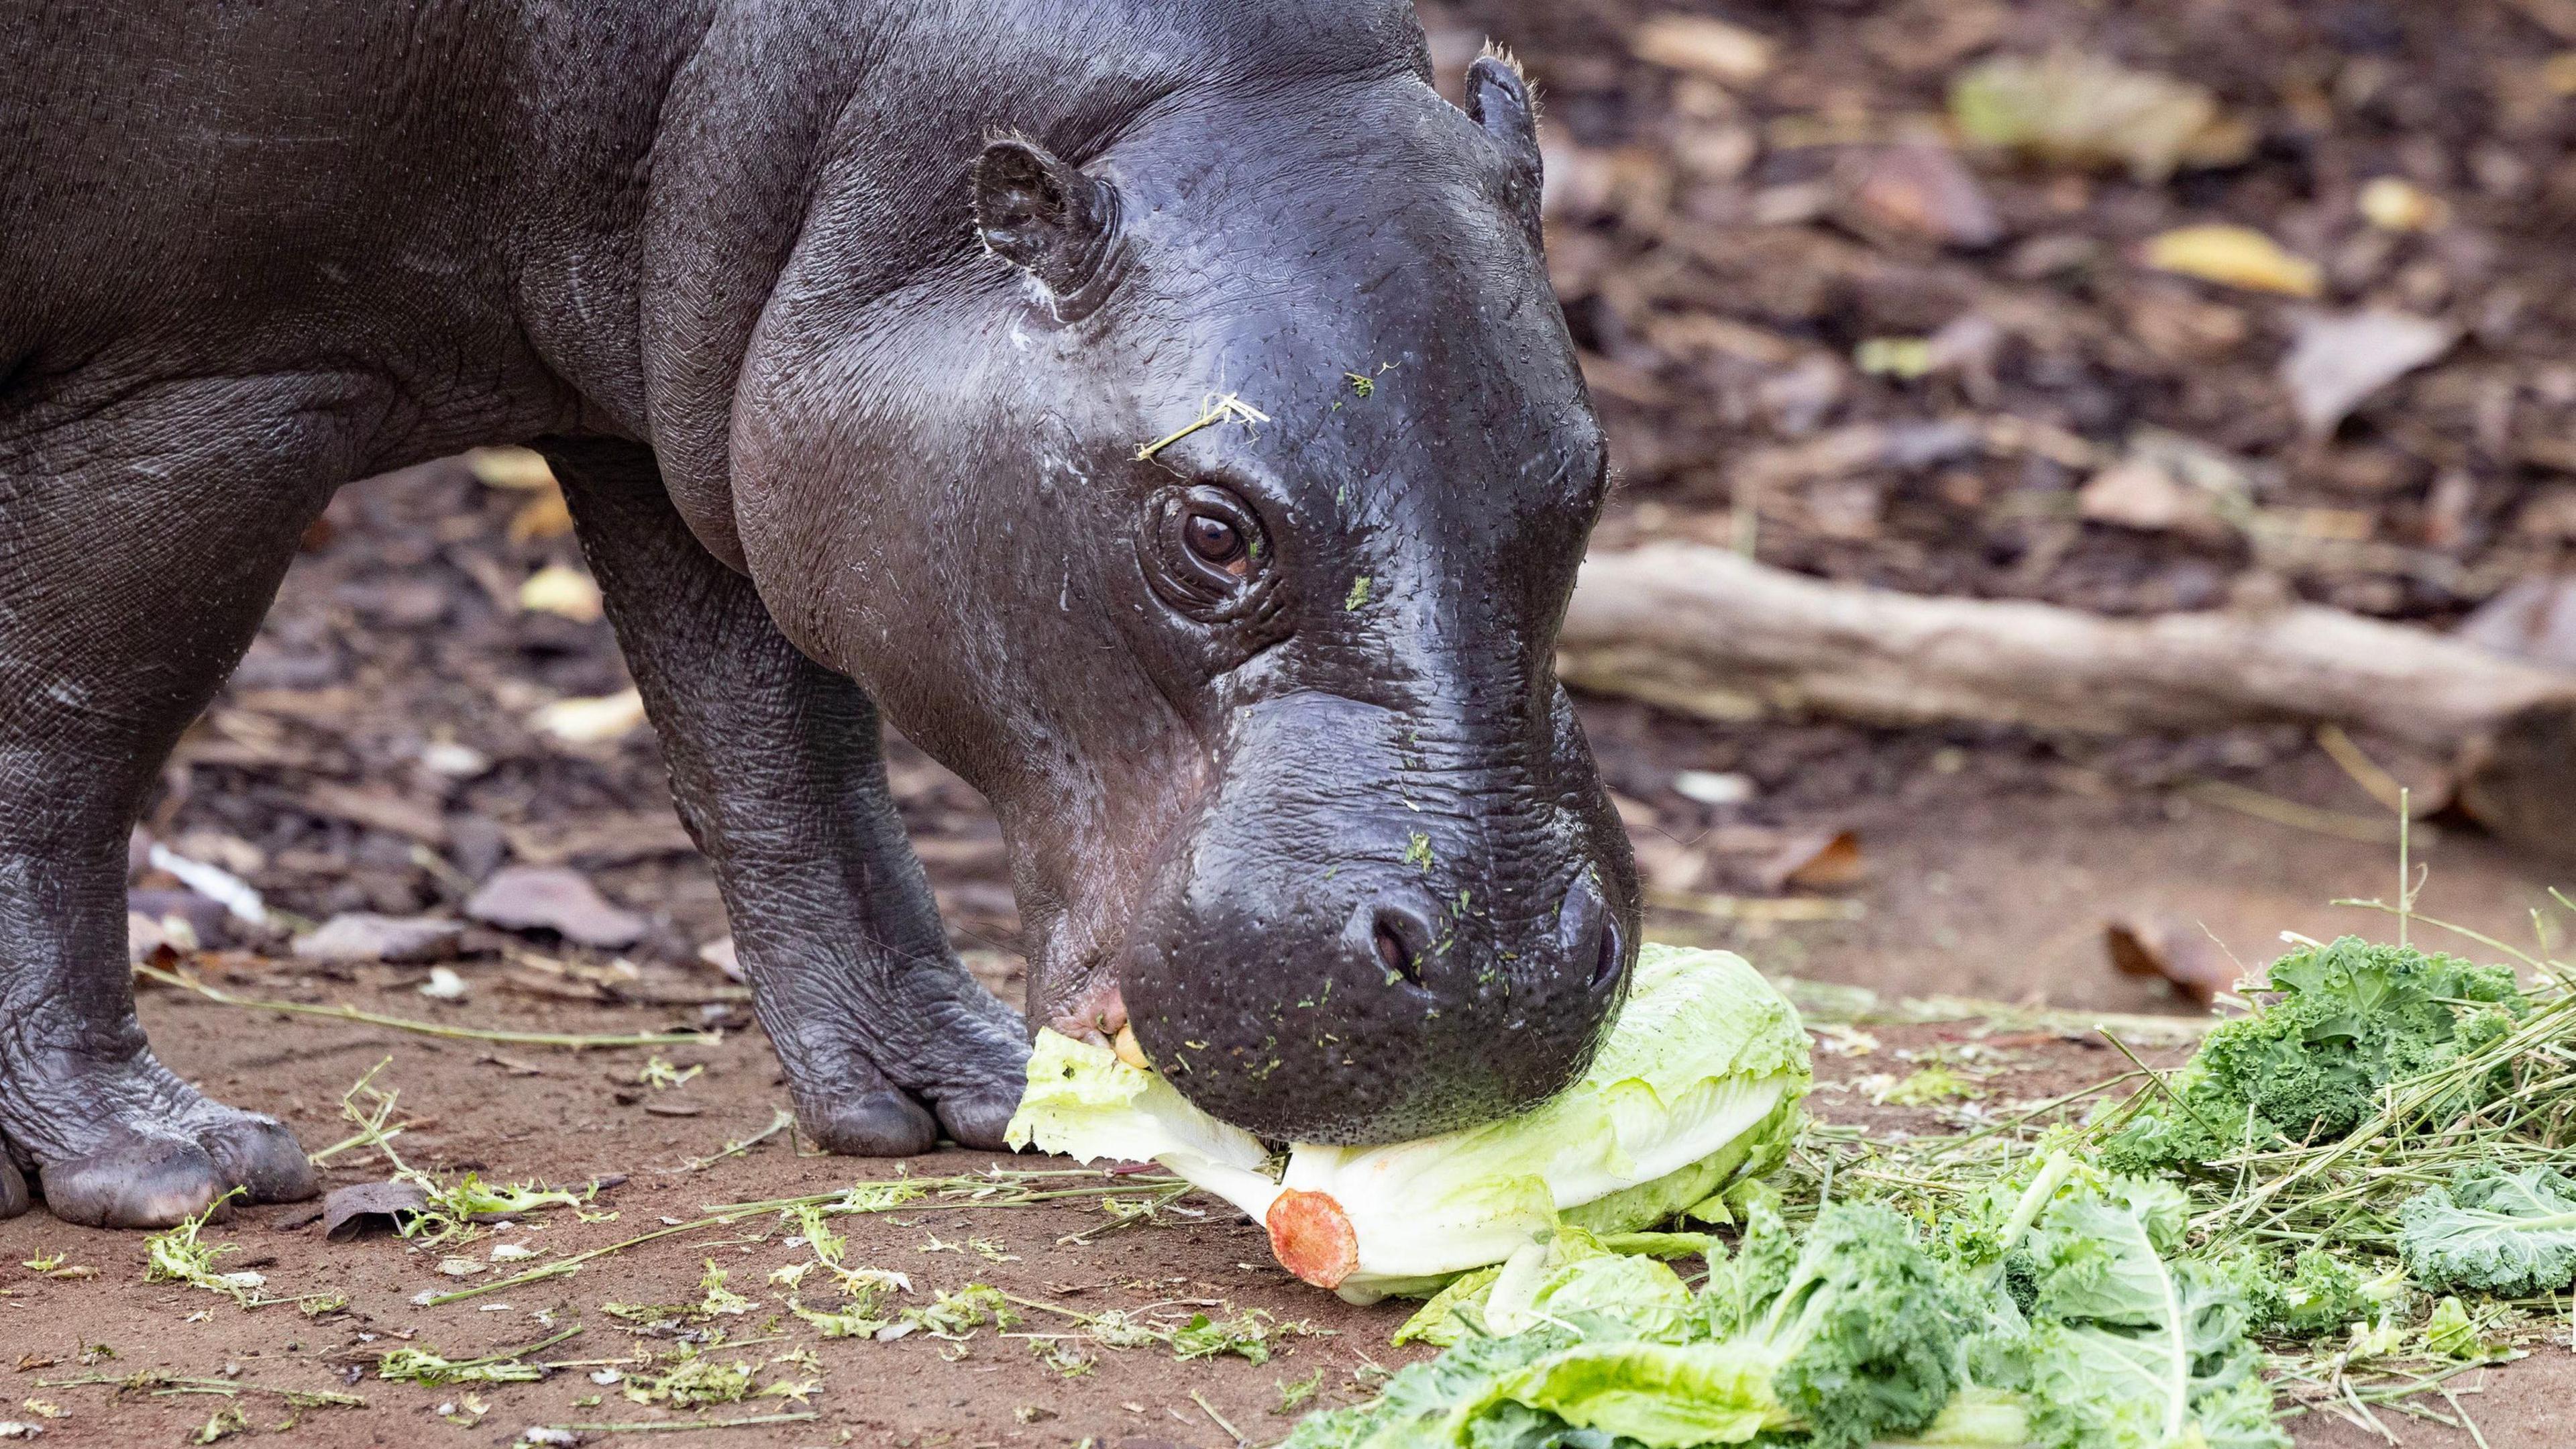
<point>1711,633</point>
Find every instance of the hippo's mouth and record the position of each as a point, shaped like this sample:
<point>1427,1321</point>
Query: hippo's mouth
<point>1098,1013</point>
<point>1348,943</point>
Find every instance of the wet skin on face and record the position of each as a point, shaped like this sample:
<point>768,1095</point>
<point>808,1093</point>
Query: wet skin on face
<point>1159,411</point>
<point>1304,469</point>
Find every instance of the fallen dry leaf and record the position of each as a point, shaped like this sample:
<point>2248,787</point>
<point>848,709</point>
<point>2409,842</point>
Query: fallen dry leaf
<point>1918,191</point>
<point>533,898</point>
<point>610,837</point>
<point>566,593</point>
<point>1813,861</point>
<point>2176,952</point>
<point>2234,256</point>
<point>2393,204</point>
<point>357,936</point>
<point>2339,360</point>
<point>543,517</point>
<point>377,810</point>
<point>1715,787</point>
<point>2534,618</point>
<point>521,469</point>
<point>2559,73</point>
<point>367,1207</point>
<point>2080,110</point>
<point>597,721</point>
<point>2134,493</point>
<point>1703,46</point>
<point>719,953</point>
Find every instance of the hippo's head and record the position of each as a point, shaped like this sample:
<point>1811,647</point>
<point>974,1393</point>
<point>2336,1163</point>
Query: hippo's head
<point>1211,503</point>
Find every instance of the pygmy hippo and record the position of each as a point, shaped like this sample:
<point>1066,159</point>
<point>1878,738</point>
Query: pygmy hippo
<point>1159,410</point>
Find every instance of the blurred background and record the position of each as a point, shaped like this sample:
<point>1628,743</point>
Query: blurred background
<point>2091,459</point>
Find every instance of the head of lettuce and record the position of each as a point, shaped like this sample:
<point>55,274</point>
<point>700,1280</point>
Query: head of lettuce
<point>1697,1087</point>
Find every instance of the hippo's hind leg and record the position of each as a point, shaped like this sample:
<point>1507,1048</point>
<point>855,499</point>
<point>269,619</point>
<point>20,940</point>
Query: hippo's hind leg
<point>140,544</point>
<point>779,770</point>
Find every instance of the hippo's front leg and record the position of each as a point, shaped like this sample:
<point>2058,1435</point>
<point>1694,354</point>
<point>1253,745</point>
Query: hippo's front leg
<point>779,770</point>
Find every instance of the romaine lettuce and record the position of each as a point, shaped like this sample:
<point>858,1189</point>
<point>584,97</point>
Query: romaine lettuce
<point>1696,1087</point>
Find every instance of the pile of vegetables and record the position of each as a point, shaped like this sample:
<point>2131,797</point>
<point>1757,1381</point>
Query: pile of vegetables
<point>2063,1319</point>
<point>2354,1190</point>
<point>2368,1160</point>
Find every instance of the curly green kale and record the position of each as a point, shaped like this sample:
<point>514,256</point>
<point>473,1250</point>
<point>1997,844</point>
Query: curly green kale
<point>2508,1233</point>
<point>2348,1019</point>
<point>2317,1293</point>
<point>1862,1323</point>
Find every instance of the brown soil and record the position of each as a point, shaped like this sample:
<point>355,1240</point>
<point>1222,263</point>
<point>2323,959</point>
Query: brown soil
<point>520,1112</point>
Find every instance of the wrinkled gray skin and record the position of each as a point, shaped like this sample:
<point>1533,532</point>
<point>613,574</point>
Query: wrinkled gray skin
<point>844,326</point>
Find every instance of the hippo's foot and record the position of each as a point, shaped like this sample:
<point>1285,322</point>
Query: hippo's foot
<point>851,1108</point>
<point>132,1146</point>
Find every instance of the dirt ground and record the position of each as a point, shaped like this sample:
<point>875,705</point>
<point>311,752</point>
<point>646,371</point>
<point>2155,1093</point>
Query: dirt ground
<point>518,1112</point>
<point>381,748</point>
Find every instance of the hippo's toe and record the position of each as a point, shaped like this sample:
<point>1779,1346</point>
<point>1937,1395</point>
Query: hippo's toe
<point>137,1182</point>
<point>14,1198</point>
<point>977,1118</point>
<point>261,1157</point>
<point>881,1123</point>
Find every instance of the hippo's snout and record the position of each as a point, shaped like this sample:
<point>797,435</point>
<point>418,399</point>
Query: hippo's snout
<point>1406,928</point>
<point>1371,937</point>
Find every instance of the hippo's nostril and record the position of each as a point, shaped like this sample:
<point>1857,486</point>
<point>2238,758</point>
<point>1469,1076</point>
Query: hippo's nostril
<point>1589,936</point>
<point>1605,968</point>
<point>1393,951</point>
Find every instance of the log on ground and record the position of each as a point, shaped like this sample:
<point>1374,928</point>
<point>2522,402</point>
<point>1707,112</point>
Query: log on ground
<point>1711,633</point>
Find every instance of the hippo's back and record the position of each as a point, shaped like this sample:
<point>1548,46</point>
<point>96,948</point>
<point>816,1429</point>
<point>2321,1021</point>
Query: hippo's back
<point>251,185</point>
<point>260,183</point>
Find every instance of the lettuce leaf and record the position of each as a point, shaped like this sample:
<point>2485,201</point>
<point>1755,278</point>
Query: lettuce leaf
<point>2129,1348</point>
<point>1696,1087</point>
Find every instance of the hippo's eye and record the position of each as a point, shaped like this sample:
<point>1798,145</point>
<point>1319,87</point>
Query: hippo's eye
<point>1204,550</point>
<point>1217,543</point>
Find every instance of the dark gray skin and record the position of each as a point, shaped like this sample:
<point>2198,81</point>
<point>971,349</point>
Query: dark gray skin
<point>845,326</point>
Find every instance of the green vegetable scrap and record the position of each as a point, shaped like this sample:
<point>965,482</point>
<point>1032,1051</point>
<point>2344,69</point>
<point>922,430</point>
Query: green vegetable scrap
<point>2508,1233</point>
<point>180,1255</point>
<point>1697,1087</point>
<point>693,1379</point>
<point>2128,1346</point>
<point>1246,1335</point>
<point>2452,1333</point>
<point>2058,1311</point>
<point>1845,1335</point>
<point>2318,1294</point>
<point>715,1301</point>
<point>2347,1020</point>
<point>421,1365</point>
<point>955,1315</point>
<point>1293,1394</point>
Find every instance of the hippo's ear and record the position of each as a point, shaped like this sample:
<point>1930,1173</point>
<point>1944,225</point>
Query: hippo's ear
<point>1498,100</point>
<point>1049,218</point>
